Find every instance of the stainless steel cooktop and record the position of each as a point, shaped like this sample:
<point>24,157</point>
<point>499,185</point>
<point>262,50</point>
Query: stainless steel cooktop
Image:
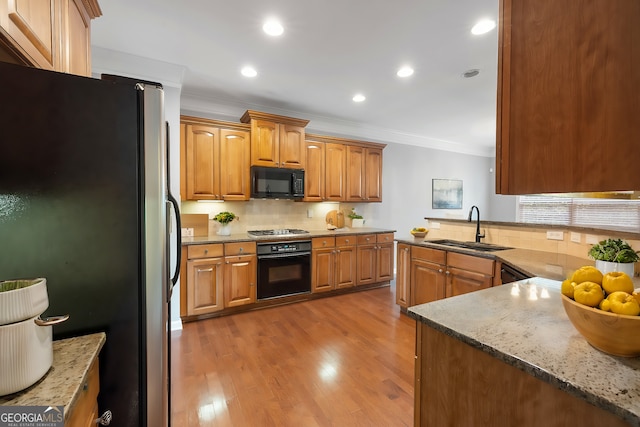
<point>277,232</point>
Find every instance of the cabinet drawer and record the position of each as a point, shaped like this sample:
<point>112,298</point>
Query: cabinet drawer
<point>323,242</point>
<point>428,254</point>
<point>471,263</point>
<point>384,238</point>
<point>205,251</point>
<point>346,240</point>
<point>365,239</point>
<point>240,248</point>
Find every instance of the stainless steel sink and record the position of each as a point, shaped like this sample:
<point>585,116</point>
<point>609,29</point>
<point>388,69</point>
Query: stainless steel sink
<point>484,247</point>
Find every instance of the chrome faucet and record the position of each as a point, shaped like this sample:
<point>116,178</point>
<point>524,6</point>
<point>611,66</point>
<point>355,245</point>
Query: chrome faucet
<point>478,235</point>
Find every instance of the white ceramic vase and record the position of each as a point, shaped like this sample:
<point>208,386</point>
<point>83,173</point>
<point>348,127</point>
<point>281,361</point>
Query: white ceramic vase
<point>357,223</point>
<point>224,230</point>
<point>606,266</point>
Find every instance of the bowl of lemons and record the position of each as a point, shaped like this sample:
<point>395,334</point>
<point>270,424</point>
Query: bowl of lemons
<point>419,231</point>
<point>605,309</point>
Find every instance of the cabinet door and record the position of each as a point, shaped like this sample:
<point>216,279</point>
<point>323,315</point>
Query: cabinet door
<point>30,29</point>
<point>463,281</point>
<point>234,165</point>
<point>264,143</point>
<point>323,270</point>
<point>384,262</point>
<point>567,96</point>
<point>366,264</point>
<point>77,33</point>
<point>202,154</point>
<point>355,174</point>
<point>403,274</point>
<point>204,286</point>
<point>373,175</point>
<point>346,266</point>
<point>240,280</point>
<point>335,171</point>
<point>291,147</point>
<point>314,172</point>
<point>427,282</point>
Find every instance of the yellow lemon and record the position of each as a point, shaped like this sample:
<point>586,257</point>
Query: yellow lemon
<point>588,273</point>
<point>588,293</point>
<point>617,281</point>
<point>624,303</point>
<point>567,288</point>
<point>605,305</point>
<point>636,296</point>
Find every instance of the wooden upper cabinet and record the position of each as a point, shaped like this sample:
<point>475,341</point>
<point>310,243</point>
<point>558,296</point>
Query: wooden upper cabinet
<point>48,34</point>
<point>335,171</point>
<point>276,141</point>
<point>568,85</point>
<point>373,175</point>
<point>216,161</point>
<point>364,174</point>
<point>234,164</point>
<point>202,158</point>
<point>30,29</point>
<point>314,182</point>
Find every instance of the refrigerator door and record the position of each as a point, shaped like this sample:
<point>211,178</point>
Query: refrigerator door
<point>82,203</point>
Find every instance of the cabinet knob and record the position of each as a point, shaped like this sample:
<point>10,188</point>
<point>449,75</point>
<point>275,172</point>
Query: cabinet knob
<point>206,251</point>
<point>241,250</point>
<point>347,240</point>
<point>338,251</point>
<point>447,272</point>
<point>439,270</point>
<point>407,250</point>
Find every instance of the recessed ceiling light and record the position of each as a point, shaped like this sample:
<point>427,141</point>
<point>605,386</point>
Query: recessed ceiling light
<point>483,26</point>
<point>273,27</point>
<point>249,72</point>
<point>405,72</point>
<point>359,98</point>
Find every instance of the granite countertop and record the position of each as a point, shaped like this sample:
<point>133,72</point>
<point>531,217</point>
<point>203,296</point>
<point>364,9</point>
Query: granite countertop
<point>244,237</point>
<point>524,324</point>
<point>61,386</point>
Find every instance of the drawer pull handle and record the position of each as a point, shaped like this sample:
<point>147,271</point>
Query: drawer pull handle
<point>205,270</point>
<point>105,418</point>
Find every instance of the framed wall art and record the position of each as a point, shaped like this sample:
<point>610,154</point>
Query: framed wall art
<point>446,194</point>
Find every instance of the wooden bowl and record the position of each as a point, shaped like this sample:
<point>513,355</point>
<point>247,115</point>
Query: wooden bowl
<point>615,334</point>
<point>419,233</point>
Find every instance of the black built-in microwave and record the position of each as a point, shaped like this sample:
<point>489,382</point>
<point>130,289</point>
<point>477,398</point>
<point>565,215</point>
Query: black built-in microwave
<point>276,183</point>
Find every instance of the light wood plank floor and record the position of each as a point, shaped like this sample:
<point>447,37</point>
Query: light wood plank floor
<point>340,361</point>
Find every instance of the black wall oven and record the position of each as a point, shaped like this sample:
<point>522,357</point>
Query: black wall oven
<point>284,268</point>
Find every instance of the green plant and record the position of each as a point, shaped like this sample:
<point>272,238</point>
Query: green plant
<point>354,215</point>
<point>12,285</point>
<point>225,218</point>
<point>613,250</point>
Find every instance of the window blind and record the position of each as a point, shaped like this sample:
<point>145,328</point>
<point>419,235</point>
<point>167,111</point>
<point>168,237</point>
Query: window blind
<point>607,214</point>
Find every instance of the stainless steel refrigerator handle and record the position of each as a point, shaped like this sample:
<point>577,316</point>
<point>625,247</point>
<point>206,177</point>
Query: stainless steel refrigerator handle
<point>174,204</point>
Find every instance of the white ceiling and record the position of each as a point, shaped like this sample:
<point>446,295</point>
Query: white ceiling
<point>329,51</point>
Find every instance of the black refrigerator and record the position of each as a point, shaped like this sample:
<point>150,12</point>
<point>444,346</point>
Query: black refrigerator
<point>85,203</point>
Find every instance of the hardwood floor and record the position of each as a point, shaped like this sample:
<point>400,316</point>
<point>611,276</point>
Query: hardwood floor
<point>340,361</point>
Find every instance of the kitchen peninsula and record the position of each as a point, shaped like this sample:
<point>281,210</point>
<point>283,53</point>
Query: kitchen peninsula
<point>510,356</point>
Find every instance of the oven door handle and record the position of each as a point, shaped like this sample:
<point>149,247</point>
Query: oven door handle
<point>284,255</point>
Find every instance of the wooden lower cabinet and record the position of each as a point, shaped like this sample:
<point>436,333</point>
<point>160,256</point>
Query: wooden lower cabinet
<point>333,263</point>
<point>459,385</point>
<point>427,274</point>
<point>375,258</point>
<point>85,411</point>
<point>240,280</point>
<point>403,274</point>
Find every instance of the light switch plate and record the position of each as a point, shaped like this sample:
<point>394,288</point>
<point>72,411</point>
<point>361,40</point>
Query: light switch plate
<point>555,235</point>
<point>576,237</point>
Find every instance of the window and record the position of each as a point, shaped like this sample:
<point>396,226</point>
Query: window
<point>606,214</point>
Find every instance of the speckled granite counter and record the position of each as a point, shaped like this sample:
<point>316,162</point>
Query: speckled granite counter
<point>244,237</point>
<point>72,359</point>
<point>524,325</point>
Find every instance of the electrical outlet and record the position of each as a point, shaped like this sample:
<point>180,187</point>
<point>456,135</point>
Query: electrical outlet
<point>555,235</point>
<point>576,237</point>
<point>187,232</point>
<point>591,239</point>
<point>309,213</point>
<point>434,225</point>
